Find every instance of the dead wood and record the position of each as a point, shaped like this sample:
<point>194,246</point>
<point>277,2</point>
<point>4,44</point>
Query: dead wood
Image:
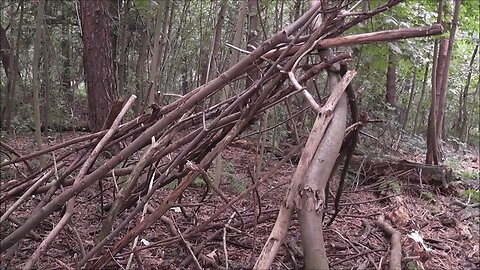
<point>182,141</point>
<point>395,261</point>
<point>408,171</point>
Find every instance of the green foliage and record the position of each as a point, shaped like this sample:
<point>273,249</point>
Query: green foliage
<point>460,171</point>
<point>172,185</point>
<point>414,265</point>
<point>392,185</point>
<point>428,197</point>
<point>472,195</point>
<point>237,184</point>
<point>198,182</point>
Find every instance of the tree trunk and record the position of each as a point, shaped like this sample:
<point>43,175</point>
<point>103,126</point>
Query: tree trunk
<point>311,197</point>
<point>391,78</point>
<point>420,101</point>
<point>167,25</point>
<point>470,116</point>
<point>97,61</point>
<point>237,39</point>
<point>47,81</point>
<point>140,71</point>
<point>432,155</point>
<point>448,43</point>
<point>13,73</point>
<point>252,37</point>
<point>37,47</point>
<point>410,99</point>
<point>460,124</point>
<point>161,17</point>
<point>122,45</point>
<point>211,74</point>
<point>66,73</point>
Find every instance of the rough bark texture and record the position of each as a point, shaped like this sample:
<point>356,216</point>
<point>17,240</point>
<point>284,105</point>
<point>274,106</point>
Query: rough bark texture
<point>97,61</point>
<point>418,112</point>
<point>312,194</point>
<point>252,37</point>
<point>432,156</point>
<point>37,47</point>
<point>391,78</point>
<point>448,43</point>
<point>410,98</point>
<point>13,73</point>
<point>461,122</point>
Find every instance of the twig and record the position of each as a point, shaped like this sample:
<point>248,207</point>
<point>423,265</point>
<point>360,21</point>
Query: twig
<point>225,251</point>
<point>396,249</point>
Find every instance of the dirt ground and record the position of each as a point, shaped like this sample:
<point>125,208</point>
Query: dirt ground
<point>449,230</point>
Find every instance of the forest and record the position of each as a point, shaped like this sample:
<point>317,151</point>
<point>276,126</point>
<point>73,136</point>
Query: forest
<point>239,134</point>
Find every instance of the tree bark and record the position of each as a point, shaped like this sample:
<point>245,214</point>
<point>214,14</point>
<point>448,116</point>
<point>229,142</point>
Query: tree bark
<point>432,155</point>
<point>11,67</point>
<point>97,61</point>
<point>410,99</point>
<point>461,123</point>
<point>448,43</point>
<point>252,37</point>
<point>237,39</point>
<point>420,100</point>
<point>161,17</point>
<point>122,45</point>
<point>391,78</point>
<point>47,81</point>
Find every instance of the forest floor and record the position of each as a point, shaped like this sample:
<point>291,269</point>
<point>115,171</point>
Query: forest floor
<point>450,230</point>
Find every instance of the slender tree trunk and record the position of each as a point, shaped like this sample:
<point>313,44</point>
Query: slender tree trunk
<point>391,78</point>
<point>169,62</point>
<point>97,61</point>
<point>47,81</point>
<point>13,73</point>
<point>123,53</point>
<point>37,47</point>
<point>410,99</point>
<point>66,73</point>
<point>237,39</point>
<point>441,93</point>
<point>154,69</point>
<point>418,112</point>
<point>460,124</point>
<point>470,116</point>
<point>432,156</point>
<point>211,74</point>
<point>252,38</point>
<point>163,48</point>
<point>448,42</point>
<point>140,71</point>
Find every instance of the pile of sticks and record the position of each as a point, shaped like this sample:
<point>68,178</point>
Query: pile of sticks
<point>155,155</point>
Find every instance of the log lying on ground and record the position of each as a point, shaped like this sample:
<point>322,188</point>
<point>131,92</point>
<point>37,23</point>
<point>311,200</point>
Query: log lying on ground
<point>204,134</point>
<point>407,170</point>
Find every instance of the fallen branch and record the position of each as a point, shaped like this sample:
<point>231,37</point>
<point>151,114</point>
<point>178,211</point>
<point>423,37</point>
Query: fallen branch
<point>395,237</point>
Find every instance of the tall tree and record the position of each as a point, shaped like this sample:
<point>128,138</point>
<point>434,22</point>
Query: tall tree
<point>410,98</point>
<point>437,113</point>
<point>97,61</point>
<point>159,44</point>
<point>9,57</point>
<point>420,100</point>
<point>461,123</point>
<point>37,47</point>
<point>122,47</point>
<point>391,78</point>
<point>252,36</point>
<point>442,75</point>
<point>432,139</point>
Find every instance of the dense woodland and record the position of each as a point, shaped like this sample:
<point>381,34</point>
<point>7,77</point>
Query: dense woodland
<point>115,113</point>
